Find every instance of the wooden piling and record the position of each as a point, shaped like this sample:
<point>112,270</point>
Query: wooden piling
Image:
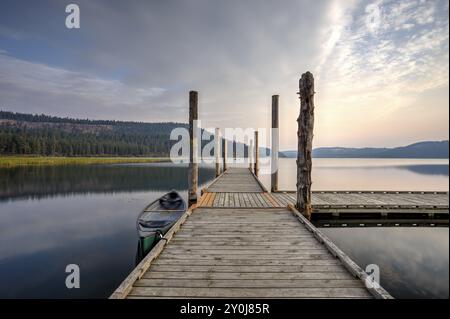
<point>256,165</point>
<point>275,144</point>
<point>224,154</point>
<point>217,151</point>
<point>193,148</point>
<point>305,137</point>
<point>250,154</point>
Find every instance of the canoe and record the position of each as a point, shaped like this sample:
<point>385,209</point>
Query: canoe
<point>156,220</point>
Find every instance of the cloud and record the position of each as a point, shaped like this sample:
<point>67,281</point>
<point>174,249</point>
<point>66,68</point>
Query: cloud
<point>138,60</point>
<point>368,76</point>
<point>57,88</point>
<point>237,54</point>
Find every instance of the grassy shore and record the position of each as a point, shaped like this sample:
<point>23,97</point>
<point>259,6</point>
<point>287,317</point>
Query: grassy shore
<point>12,161</point>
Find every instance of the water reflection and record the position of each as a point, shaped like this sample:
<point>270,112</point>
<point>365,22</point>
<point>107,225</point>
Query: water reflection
<point>414,262</point>
<point>427,169</point>
<point>87,215</point>
<point>46,181</point>
<point>139,253</point>
<point>84,215</point>
<point>418,169</point>
<point>96,232</point>
<point>368,174</point>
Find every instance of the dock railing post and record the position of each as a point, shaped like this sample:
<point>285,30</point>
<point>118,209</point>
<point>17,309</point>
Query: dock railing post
<point>193,148</point>
<point>256,170</point>
<point>275,144</point>
<point>305,137</point>
<point>224,154</point>
<point>217,151</point>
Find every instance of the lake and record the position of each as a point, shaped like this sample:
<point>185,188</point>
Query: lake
<point>58,215</point>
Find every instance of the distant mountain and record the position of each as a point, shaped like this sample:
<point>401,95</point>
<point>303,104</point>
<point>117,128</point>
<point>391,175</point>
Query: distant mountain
<point>427,149</point>
<point>288,154</point>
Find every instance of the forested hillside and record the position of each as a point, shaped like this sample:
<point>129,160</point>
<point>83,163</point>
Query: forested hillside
<point>55,136</point>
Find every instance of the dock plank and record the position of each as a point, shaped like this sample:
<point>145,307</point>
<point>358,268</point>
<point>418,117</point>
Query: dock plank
<point>265,283</point>
<point>254,292</point>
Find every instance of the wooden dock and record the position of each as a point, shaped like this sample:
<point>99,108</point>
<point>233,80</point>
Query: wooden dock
<point>242,242</point>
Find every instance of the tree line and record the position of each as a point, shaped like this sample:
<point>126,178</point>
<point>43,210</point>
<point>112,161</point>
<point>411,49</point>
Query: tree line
<point>49,138</point>
<point>28,134</point>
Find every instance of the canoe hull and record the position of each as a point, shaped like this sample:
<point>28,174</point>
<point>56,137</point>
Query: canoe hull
<point>147,244</point>
<point>157,219</point>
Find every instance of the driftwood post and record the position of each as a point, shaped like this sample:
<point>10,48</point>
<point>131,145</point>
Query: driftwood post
<point>256,154</point>
<point>275,144</point>
<point>305,137</point>
<point>224,154</point>
<point>217,151</point>
<point>193,148</point>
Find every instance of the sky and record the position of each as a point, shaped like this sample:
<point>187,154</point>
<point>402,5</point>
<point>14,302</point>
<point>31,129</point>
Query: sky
<point>381,67</point>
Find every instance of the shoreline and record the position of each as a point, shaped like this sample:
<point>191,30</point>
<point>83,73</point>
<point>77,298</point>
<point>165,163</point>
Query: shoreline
<point>15,161</point>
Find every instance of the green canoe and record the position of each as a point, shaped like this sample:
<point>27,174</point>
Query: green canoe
<point>157,218</point>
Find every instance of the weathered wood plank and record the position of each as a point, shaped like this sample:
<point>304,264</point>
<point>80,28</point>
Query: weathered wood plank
<point>242,236</point>
<point>224,252</point>
<point>272,201</point>
<point>248,276</point>
<point>246,268</point>
<point>251,292</point>
<point>210,199</point>
<point>318,255</point>
<point>244,243</point>
<point>241,227</point>
<point>265,283</point>
<point>249,262</point>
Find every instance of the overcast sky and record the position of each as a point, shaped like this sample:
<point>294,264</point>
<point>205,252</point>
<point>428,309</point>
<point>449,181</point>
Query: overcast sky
<point>381,67</point>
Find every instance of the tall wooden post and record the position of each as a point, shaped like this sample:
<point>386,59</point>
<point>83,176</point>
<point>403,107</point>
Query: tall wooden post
<point>193,148</point>
<point>256,154</point>
<point>275,144</point>
<point>224,154</point>
<point>250,154</point>
<point>305,137</point>
<point>217,151</point>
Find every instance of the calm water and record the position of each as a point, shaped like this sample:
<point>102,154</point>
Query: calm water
<point>368,174</point>
<point>54,216</point>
